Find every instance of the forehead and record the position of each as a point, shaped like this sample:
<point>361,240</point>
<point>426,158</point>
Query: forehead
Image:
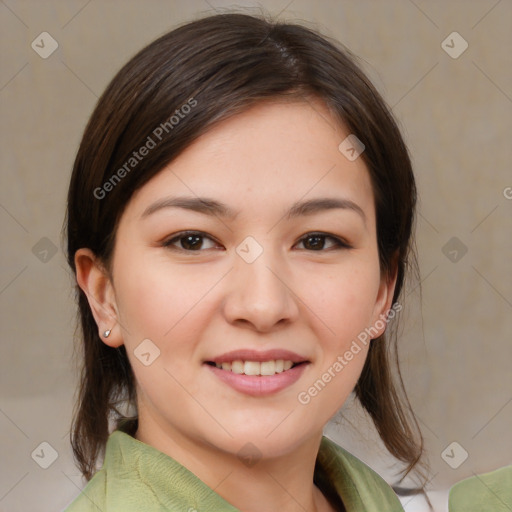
<point>267,157</point>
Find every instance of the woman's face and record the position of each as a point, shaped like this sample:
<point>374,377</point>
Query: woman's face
<point>269,276</point>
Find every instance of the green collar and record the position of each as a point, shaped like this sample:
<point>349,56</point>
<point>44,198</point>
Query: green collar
<point>136,476</point>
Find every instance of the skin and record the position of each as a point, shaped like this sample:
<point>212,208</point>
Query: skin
<point>195,305</point>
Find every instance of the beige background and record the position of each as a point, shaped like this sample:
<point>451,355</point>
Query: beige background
<point>456,115</point>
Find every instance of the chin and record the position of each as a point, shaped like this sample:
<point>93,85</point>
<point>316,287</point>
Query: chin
<point>264,441</point>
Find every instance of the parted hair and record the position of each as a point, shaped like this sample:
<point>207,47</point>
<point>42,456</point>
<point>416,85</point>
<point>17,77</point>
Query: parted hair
<point>228,63</point>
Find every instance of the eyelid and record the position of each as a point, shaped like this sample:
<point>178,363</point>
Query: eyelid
<point>340,243</point>
<point>181,234</point>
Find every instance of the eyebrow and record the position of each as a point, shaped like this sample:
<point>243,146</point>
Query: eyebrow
<point>216,208</point>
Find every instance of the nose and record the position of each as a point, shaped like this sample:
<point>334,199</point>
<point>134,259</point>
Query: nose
<point>260,295</point>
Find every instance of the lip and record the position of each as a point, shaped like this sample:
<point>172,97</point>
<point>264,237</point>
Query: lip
<point>259,385</point>
<point>258,356</point>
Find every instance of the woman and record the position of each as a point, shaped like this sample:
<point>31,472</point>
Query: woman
<point>239,222</point>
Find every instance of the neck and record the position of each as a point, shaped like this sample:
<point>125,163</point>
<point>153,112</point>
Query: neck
<point>282,483</point>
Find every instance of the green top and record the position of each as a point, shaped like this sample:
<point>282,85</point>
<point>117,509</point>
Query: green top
<point>491,492</point>
<point>136,477</point>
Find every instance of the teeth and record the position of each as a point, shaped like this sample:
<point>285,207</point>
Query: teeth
<point>256,368</point>
<point>237,367</point>
<point>267,368</point>
<point>252,368</point>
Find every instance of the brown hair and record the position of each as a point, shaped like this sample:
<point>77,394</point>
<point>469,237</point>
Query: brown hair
<point>227,63</point>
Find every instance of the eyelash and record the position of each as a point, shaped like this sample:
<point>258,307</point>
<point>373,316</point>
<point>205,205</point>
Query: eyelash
<point>339,243</point>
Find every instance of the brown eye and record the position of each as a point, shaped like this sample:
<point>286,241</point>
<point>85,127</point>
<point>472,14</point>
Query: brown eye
<point>188,241</point>
<point>191,242</point>
<point>316,242</point>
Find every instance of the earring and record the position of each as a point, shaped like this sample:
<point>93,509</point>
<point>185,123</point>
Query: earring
<point>106,334</point>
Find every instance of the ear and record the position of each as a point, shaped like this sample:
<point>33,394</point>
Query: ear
<point>93,279</point>
<point>384,301</point>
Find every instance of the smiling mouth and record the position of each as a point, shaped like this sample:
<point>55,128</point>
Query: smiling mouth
<point>256,368</point>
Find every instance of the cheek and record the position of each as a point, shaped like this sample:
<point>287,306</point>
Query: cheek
<point>345,301</point>
<point>343,306</point>
<point>172,305</point>
<point>159,301</point>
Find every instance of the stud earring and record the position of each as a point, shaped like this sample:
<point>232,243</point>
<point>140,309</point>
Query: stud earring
<point>106,334</point>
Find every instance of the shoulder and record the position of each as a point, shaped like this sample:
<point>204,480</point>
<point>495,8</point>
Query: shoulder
<point>360,487</point>
<point>490,491</point>
<point>118,486</point>
<point>92,496</point>
<point>137,477</point>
